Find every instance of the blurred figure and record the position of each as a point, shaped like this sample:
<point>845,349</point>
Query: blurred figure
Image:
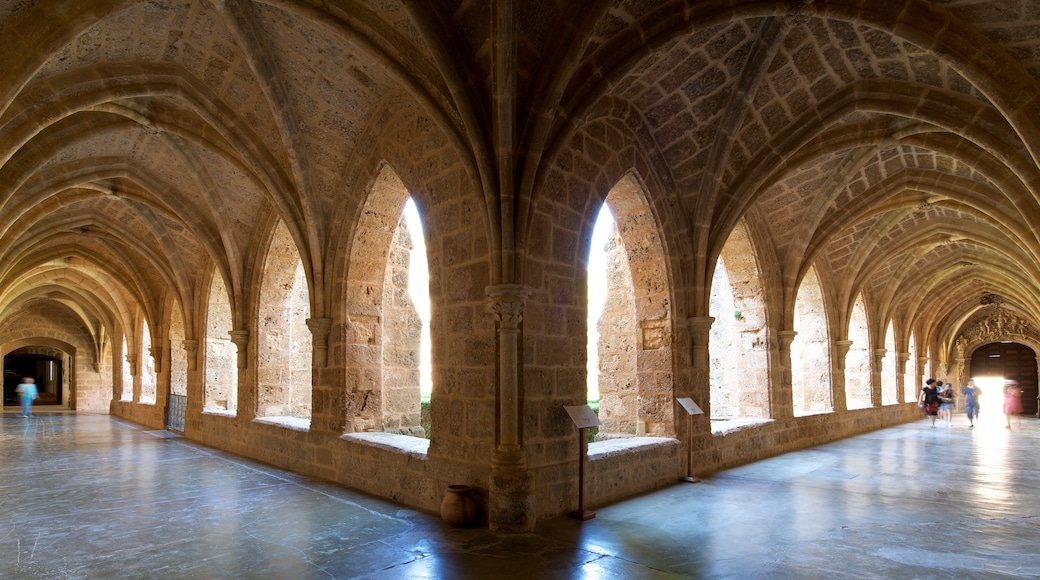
<point>971,402</point>
<point>945,402</point>
<point>1012,402</point>
<point>929,399</point>
<point>28,393</point>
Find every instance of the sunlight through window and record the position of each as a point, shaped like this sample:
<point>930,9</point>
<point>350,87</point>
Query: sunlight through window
<point>597,281</point>
<point>419,289</point>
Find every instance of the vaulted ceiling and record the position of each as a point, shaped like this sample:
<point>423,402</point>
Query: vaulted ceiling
<point>892,145</point>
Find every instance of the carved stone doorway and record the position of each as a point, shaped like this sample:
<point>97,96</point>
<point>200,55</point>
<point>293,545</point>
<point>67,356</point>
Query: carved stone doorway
<point>1014,362</point>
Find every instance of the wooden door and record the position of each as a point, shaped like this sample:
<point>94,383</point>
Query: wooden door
<point>1014,362</point>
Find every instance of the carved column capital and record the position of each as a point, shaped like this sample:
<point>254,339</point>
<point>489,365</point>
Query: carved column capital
<point>786,337</point>
<point>700,329</point>
<point>879,356</point>
<point>131,360</point>
<point>320,330</point>
<point>507,303</point>
<point>191,348</point>
<point>842,347</point>
<point>156,352</point>
<point>241,340</point>
<point>841,352</point>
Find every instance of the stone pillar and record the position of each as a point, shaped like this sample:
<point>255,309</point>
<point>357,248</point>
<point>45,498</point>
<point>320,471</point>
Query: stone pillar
<point>131,361</point>
<point>510,498</point>
<point>838,394</point>
<point>782,400</point>
<point>700,331</point>
<point>157,356</point>
<point>135,387</point>
<point>117,372</point>
<point>922,372</point>
<point>875,376</point>
<point>902,359</point>
<point>191,350</point>
<point>241,340</point>
<point>320,329</point>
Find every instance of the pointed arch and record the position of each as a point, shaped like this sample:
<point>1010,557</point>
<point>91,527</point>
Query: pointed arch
<point>284,342</point>
<point>385,329</point>
<point>889,394</point>
<point>912,383</point>
<point>857,361</point>
<point>221,354</point>
<point>147,368</point>
<point>810,350</point>
<point>738,346</point>
<point>635,345</point>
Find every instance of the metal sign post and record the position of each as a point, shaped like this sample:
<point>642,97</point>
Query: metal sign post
<point>691,410</point>
<point>583,417</point>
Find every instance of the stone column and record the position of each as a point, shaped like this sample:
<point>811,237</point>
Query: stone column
<point>194,387</point>
<point>700,332</point>
<point>157,357</point>
<point>922,372</point>
<point>320,329</point>
<point>875,376</point>
<point>135,377</point>
<point>117,372</point>
<point>839,399</point>
<point>510,497</point>
<point>782,400</point>
<point>902,359</point>
<point>191,350</point>
<point>241,340</point>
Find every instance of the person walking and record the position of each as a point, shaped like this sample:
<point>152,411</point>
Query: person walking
<point>1012,402</point>
<point>971,402</point>
<point>945,402</point>
<point>27,390</point>
<point>929,399</point>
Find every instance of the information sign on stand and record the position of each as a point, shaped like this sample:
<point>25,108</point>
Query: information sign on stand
<point>691,410</point>
<point>583,417</point>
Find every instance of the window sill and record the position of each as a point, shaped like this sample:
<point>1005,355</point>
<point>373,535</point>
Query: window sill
<point>413,446</point>
<point>294,423</point>
<point>620,445</point>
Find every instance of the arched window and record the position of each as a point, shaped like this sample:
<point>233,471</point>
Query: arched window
<point>911,386</point>
<point>857,362</point>
<point>634,378</point>
<point>284,346</point>
<point>178,356</point>
<point>738,345</point>
<point>148,378</point>
<point>127,392</point>
<point>221,353</point>
<point>810,350</point>
<point>386,348</point>
<point>889,390</point>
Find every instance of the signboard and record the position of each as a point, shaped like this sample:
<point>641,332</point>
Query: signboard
<point>583,416</point>
<point>691,407</point>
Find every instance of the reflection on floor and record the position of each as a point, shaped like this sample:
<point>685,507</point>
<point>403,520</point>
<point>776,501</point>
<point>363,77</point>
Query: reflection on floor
<point>89,496</point>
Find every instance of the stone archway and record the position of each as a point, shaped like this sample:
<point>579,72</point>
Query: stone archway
<point>999,326</point>
<point>635,344</point>
<point>54,363</point>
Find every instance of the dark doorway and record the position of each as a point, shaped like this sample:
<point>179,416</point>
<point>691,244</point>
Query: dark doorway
<point>47,370</point>
<point>1014,362</point>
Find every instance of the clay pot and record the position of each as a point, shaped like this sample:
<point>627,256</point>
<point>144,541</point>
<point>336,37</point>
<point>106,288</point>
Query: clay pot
<point>459,506</point>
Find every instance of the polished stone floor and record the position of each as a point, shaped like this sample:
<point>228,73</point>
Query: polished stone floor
<point>91,496</point>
